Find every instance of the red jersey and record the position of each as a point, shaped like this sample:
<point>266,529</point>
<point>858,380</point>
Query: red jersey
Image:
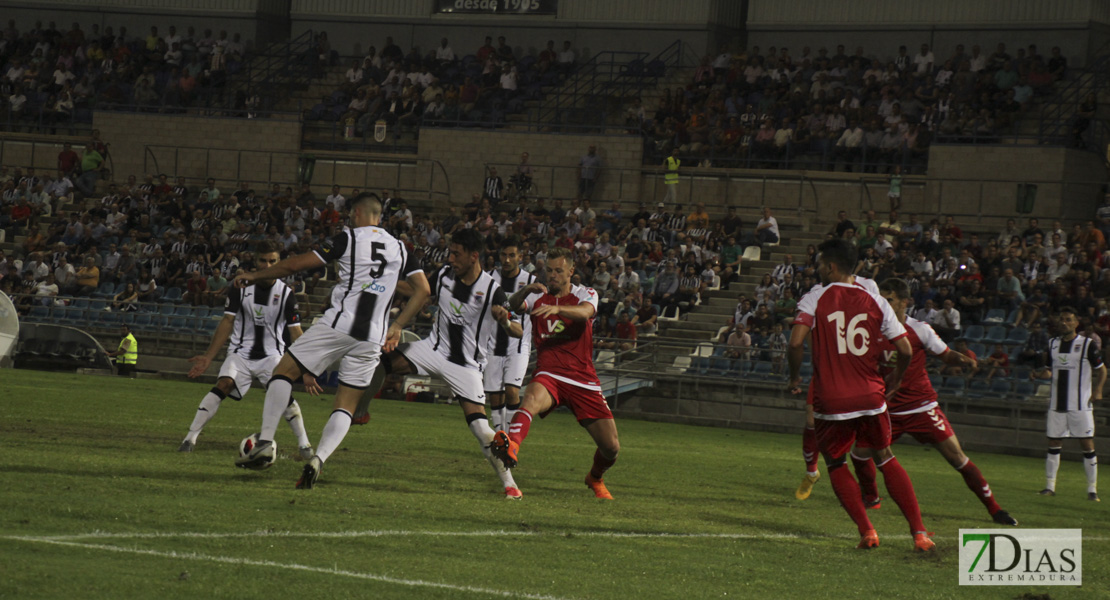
<point>917,393</point>
<point>848,324</point>
<point>564,348</point>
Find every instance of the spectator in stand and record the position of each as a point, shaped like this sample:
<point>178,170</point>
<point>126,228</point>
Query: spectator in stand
<point>68,160</point>
<point>91,165</point>
<point>767,229</point>
<point>87,278</point>
<point>589,167</point>
<point>493,186</point>
<point>646,319</point>
<point>566,58</point>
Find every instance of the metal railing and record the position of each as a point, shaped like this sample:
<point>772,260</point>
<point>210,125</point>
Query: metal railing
<point>1057,117</point>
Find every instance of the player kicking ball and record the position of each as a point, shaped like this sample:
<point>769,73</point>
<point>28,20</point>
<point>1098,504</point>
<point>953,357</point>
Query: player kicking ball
<point>849,394</point>
<point>260,320</point>
<point>914,409</point>
<point>352,330</point>
<point>562,316</point>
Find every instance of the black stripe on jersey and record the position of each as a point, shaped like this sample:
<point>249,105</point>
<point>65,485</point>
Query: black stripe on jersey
<point>242,317</point>
<point>1079,381</point>
<point>482,318</point>
<point>501,347</point>
<point>439,315</point>
<point>462,291</point>
<point>528,280</point>
<point>1063,378</point>
<point>364,316</point>
<point>258,349</point>
<point>351,282</point>
<point>280,322</point>
<point>455,339</point>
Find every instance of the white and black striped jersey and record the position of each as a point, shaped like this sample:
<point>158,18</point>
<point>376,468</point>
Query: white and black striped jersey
<point>463,322</point>
<point>371,262</point>
<point>500,343</point>
<point>492,187</point>
<point>263,315</point>
<point>1073,361</point>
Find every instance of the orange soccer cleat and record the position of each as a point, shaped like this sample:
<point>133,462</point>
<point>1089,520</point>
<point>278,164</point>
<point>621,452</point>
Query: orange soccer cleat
<point>360,419</point>
<point>598,486</point>
<point>513,493</point>
<point>504,449</point>
<point>922,543</point>
<point>873,503</point>
<point>869,540</point>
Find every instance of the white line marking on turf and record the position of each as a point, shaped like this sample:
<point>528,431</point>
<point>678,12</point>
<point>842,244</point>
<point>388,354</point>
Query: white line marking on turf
<point>296,567</point>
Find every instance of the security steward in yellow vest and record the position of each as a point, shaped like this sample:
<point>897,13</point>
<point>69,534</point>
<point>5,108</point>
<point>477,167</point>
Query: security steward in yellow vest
<point>670,179</point>
<point>127,355</point>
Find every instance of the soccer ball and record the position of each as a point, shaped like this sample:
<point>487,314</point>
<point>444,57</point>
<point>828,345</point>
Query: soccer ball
<point>249,443</point>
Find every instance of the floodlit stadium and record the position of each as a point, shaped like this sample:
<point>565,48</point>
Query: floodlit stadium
<point>727,293</point>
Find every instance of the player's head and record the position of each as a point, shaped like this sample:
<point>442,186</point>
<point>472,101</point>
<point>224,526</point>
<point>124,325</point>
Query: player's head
<point>897,293</point>
<point>510,254</point>
<point>560,268</point>
<point>266,254</point>
<point>1069,321</point>
<point>835,260</point>
<point>366,210</point>
<point>465,250</point>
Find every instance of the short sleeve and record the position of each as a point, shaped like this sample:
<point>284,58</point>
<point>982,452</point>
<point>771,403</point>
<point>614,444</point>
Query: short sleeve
<point>587,295</point>
<point>1094,355</point>
<point>892,329</point>
<point>807,308</point>
<point>333,247</point>
<point>292,311</point>
<point>410,266</point>
<point>233,303</point>
<point>929,338</point>
<point>499,298</point>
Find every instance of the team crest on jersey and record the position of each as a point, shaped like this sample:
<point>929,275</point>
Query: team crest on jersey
<point>276,298</point>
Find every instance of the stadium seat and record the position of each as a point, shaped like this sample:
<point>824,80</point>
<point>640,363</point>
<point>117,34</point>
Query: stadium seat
<point>39,314</point>
<point>177,324</point>
<point>141,321</point>
<point>106,290</point>
<point>681,364</point>
<point>1022,373</point>
<point>669,314</point>
<point>753,252</point>
<point>995,335</point>
<point>1024,390</point>
<point>761,370</point>
<point>977,388</point>
<point>166,309</point>
<point>720,366</point>
<point>183,311</point>
<point>953,385</point>
<point>974,333</point>
<point>995,315</point>
<point>980,350</point>
<point>806,372</point>
<point>80,303</point>
<point>1000,388</point>
<point>1017,336</point>
<point>173,295</point>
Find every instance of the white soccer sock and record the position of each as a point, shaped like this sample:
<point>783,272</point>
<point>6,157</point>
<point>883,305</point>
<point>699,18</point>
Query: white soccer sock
<point>277,398</point>
<point>482,431</point>
<point>339,423</point>
<point>1051,466</point>
<point>1090,465</point>
<point>292,415</point>
<point>497,418</point>
<point>207,409</point>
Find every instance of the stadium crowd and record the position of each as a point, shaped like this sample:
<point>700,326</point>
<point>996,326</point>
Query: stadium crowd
<point>847,111</point>
<point>50,77</point>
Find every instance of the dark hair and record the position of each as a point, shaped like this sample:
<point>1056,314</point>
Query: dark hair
<point>470,240</point>
<point>513,241</point>
<point>838,252</point>
<point>266,247</point>
<point>896,286</point>
<point>1069,310</point>
<point>367,201</point>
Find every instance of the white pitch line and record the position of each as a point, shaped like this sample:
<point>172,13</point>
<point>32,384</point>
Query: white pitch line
<point>230,560</point>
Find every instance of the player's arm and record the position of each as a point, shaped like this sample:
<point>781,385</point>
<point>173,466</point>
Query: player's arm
<point>956,359</point>
<point>283,269</point>
<point>219,340</point>
<point>583,311</point>
<point>420,294</point>
<point>905,353</point>
<point>1100,379</point>
<point>795,352</point>
<point>516,301</point>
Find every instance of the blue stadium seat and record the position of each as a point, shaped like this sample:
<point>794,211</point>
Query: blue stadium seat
<point>166,309</point>
<point>761,370</point>
<point>158,322</point>
<point>936,380</point>
<point>1000,387</point>
<point>106,290</point>
<point>806,372</point>
<point>183,311</point>
<point>974,333</point>
<point>177,325</point>
<point>977,388</point>
<point>1024,390</point>
<point>173,294</point>
<point>953,385</point>
<point>979,349</point>
<point>995,335</point>
<point>141,321</point>
<point>1017,336</point>
<point>80,303</point>
<point>39,314</point>
<point>995,315</point>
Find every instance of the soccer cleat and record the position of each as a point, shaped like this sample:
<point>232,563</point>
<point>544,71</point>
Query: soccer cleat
<point>1003,518</point>
<point>1047,492</point>
<point>306,452</point>
<point>310,473</point>
<point>869,540</point>
<point>873,503</point>
<point>504,449</point>
<point>598,486</point>
<point>922,543</point>
<point>806,487</point>
<point>260,457</point>
<point>186,446</point>
<point>1093,497</point>
<point>360,419</point>
<point>513,493</point>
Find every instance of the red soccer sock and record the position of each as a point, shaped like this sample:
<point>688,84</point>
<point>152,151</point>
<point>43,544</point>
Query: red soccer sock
<point>847,491</point>
<point>809,449</point>
<point>979,486</point>
<point>518,429</point>
<point>900,488</point>
<point>865,472</point>
<point>601,464</point>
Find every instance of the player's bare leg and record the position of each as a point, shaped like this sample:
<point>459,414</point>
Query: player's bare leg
<point>207,409</point>
<point>505,445</point>
<point>864,466</point>
<point>604,433</point>
<point>810,454</point>
<point>952,452</point>
<point>392,363</point>
<point>478,424</point>
<point>900,489</point>
<point>278,392</point>
<point>339,423</point>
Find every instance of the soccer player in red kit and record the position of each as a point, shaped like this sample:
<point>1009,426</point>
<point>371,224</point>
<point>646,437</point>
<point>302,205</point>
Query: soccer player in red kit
<point>849,394</point>
<point>914,410</point>
<point>564,375</point>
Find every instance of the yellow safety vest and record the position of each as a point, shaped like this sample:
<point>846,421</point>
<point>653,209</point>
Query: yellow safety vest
<point>672,170</point>
<point>131,355</point>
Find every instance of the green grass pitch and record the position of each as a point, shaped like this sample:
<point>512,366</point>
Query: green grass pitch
<point>97,503</point>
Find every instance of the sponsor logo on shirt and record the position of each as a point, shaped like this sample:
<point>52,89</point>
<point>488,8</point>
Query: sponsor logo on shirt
<point>373,286</point>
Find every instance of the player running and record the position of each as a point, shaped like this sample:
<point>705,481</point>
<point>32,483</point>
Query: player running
<point>470,304</point>
<point>848,393</point>
<point>351,331</point>
<point>809,436</point>
<point>914,410</point>
<point>508,357</point>
<point>260,320</point>
<point>561,315</point>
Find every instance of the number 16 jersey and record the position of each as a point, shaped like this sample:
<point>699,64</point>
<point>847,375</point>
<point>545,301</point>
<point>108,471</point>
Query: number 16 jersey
<point>847,323</point>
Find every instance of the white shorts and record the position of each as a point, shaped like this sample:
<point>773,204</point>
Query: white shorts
<point>1071,424</point>
<point>505,371</point>
<point>465,382</point>
<point>242,370</point>
<point>321,346</point>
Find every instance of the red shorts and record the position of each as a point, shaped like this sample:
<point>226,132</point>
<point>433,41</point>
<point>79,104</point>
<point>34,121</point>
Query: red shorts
<point>929,427</point>
<point>835,438</point>
<point>584,403</point>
